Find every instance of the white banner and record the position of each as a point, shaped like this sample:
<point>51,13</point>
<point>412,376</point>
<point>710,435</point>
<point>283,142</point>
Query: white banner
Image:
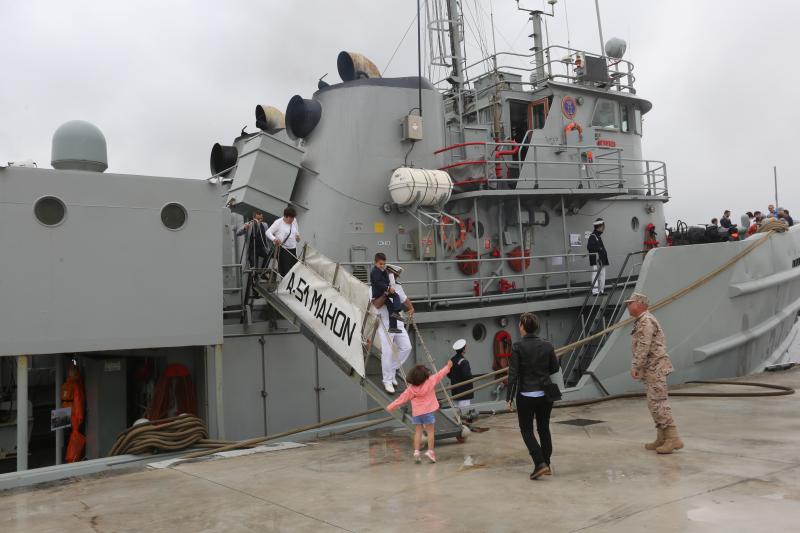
<point>322,308</point>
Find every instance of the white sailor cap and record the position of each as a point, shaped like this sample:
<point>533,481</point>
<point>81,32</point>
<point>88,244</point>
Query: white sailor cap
<point>459,344</point>
<point>599,222</point>
<point>394,269</point>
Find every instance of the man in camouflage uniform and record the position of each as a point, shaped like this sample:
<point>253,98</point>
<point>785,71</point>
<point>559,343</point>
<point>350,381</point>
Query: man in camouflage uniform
<point>651,364</point>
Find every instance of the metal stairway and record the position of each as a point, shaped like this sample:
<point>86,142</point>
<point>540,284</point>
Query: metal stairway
<point>596,314</point>
<point>446,426</point>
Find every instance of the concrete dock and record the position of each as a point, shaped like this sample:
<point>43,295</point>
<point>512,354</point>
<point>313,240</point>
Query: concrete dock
<point>740,471</point>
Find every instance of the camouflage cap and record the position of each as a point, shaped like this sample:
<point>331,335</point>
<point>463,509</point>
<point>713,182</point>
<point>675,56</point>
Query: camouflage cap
<point>639,298</point>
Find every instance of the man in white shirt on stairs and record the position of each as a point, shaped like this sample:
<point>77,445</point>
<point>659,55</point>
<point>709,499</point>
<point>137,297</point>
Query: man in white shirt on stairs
<point>285,234</point>
<point>402,344</point>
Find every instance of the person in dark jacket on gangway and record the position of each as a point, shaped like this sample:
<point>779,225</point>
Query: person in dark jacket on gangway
<point>532,362</point>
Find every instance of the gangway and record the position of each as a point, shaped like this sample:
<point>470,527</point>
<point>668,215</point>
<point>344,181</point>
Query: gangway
<point>331,308</point>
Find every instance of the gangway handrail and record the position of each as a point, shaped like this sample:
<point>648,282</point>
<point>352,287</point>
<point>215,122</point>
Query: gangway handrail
<point>571,358</point>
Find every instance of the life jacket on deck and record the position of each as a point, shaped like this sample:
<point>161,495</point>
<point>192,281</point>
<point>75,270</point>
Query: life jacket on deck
<point>73,396</point>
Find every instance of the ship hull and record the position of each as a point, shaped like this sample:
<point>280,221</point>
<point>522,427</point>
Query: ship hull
<point>735,324</point>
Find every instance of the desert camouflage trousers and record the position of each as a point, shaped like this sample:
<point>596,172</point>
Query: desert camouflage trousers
<point>657,402</point>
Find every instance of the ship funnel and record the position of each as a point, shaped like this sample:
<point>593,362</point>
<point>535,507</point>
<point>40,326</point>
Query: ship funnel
<point>302,116</point>
<point>223,158</point>
<point>615,48</point>
<point>269,119</point>
<point>353,66</point>
<point>79,145</point>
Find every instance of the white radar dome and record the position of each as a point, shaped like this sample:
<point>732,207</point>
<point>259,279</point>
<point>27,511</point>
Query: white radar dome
<point>615,47</point>
<point>79,145</point>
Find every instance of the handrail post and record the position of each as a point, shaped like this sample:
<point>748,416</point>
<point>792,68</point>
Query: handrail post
<point>535,169</point>
<point>619,168</point>
<point>524,252</point>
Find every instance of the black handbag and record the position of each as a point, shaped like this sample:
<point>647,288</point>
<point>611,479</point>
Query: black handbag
<point>552,392</point>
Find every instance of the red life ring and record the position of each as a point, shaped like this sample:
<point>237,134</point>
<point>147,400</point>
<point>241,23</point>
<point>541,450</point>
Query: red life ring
<point>573,126</point>
<point>502,351</point>
<point>468,267</point>
<point>516,264</point>
<point>458,242</point>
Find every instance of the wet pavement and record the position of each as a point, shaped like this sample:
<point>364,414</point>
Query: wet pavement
<point>740,471</point>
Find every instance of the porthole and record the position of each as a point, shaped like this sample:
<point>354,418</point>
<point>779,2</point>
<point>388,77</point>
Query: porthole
<point>173,216</point>
<point>635,224</point>
<point>478,332</point>
<point>49,211</point>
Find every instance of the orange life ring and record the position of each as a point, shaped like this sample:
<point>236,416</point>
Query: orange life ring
<point>502,351</point>
<point>573,126</point>
<point>458,242</point>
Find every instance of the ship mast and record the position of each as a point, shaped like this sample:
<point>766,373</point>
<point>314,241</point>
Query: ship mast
<point>456,38</point>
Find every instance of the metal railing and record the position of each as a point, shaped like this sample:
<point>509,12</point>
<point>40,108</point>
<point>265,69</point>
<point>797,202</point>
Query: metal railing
<point>562,68</point>
<point>594,167</point>
<point>423,283</point>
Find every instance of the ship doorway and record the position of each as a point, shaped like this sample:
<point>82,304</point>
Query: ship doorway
<point>537,113</point>
<point>518,119</point>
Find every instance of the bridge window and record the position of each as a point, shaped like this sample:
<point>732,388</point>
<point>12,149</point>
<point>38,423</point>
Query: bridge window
<point>606,114</point>
<point>637,121</point>
<point>626,118</point>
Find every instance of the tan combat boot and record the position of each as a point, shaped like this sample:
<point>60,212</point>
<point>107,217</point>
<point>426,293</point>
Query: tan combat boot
<point>656,443</point>
<point>672,441</point>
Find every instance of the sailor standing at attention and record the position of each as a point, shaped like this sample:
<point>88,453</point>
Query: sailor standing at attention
<point>651,364</point>
<point>598,257</point>
<point>461,372</point>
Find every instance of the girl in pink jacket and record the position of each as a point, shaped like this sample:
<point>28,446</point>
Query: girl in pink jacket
<point>421,392</point>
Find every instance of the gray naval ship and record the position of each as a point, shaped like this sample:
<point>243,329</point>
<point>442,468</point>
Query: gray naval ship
<point>483,186</point>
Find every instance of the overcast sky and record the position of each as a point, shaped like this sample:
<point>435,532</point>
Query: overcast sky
<point>166,79</point>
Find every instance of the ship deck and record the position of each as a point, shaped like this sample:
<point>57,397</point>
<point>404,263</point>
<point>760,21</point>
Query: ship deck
<point>738,472</point>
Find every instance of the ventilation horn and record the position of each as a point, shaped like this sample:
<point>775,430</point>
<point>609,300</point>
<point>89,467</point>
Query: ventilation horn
<point>223,159</point>
<point>269,119</point>
<point>302,116</point>
<point>353,66</point>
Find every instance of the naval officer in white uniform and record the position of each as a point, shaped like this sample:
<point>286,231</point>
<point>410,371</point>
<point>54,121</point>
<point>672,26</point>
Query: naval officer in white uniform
<point>402,344</point>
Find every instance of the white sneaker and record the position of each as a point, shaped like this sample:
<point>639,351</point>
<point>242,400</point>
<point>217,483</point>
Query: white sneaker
<point>394,381</point>
<point>389,388</point>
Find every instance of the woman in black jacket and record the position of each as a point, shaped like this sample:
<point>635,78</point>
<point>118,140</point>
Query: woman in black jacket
<point>531,363</point>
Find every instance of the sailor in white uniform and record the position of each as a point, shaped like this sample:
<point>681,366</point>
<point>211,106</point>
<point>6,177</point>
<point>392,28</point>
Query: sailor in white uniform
<point>402,344</point>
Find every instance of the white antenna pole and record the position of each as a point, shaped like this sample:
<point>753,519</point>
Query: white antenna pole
<point>566,16</point>
<point>600,28</point>
<point>775,175</point>
<point>494,44</point>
